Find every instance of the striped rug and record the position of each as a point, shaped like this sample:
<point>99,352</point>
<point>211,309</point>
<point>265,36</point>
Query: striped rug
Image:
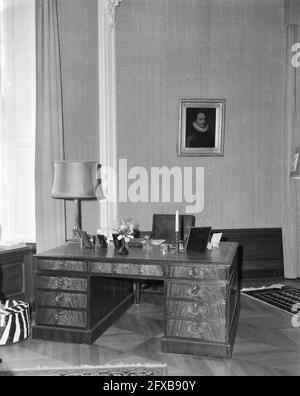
<point>283,297</point>
<point>15,321</point>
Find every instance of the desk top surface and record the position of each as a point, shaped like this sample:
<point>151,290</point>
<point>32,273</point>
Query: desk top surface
<point>222,256</point>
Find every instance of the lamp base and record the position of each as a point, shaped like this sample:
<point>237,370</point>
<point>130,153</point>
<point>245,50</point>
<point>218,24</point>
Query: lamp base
<point>75,236</point>
<point>86,242</point>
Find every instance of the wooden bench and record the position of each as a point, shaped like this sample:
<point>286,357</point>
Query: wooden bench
<point>261,251</point>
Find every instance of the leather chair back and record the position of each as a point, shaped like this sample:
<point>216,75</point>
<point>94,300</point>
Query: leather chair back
<point>163,226</point>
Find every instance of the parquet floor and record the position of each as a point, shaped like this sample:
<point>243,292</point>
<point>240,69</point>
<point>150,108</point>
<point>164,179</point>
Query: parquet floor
<point>266,345</point>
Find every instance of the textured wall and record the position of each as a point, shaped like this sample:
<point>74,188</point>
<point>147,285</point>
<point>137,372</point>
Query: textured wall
<point>232,49</point>
<point>78,20</point>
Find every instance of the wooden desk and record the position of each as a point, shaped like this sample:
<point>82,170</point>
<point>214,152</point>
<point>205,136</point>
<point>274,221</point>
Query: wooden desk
<point>80,293</point>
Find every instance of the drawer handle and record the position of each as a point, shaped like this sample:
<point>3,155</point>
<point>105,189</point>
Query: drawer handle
<point>61,282</point>
<point>199,310</point>
<point>59,298</point>
<point>60,316</point>
<point>197,330</point>
<point>63,265</point>
<point>195,291</point>
<point>196,273</point>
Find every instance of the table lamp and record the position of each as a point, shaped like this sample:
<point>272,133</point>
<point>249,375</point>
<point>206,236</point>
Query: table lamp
<point>295,165</point>
<point>77,181</point>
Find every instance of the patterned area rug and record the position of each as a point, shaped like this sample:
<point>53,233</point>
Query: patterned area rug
<point>94,371</point>
<point>283,297</point>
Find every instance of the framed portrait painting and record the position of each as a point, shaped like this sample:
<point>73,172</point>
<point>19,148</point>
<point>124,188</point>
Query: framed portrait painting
<point>202,127</point>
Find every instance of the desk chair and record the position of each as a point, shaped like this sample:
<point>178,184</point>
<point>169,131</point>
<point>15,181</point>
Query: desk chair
<point>163,227</point>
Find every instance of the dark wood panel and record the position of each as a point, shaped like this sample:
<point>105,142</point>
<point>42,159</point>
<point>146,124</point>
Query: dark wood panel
<point>196,291</point>
<point>210,331</point>
<point>61,283</point>
<point>127,269</point>
<point>13,279</point>
<point>61,334</point>
<point>59,299</point>
<point>260,251</point>
<point>106,295</point>
<point>198,273</point>
<point>62,318</point>
<point>258,243</point>
<point>233,298</point>
<point>196,310</point>
<point>29,273</point>
<point>62,265</point>
<point>16,272</point>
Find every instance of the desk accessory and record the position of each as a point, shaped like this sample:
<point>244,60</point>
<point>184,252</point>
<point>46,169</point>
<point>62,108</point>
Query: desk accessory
<point>178,242</point>
<point>117,242</point>
<point>157,242</point>
<point>198,239</point>
<point>100,242</point>
<point>147,244</point>
<point>215,241</point>
<point>136,243</point>
<point>125,234</point>
<point>164,248</point>
<point>123,251</point>
<point>84,239</point>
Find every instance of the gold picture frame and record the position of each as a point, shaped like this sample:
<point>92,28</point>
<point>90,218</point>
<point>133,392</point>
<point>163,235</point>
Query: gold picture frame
<point>202,127</point>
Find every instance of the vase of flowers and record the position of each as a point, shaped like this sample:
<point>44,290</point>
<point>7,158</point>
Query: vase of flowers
<point>125,233</point>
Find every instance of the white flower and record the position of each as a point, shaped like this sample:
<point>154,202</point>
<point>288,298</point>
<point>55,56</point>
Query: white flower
<point>125,231</point>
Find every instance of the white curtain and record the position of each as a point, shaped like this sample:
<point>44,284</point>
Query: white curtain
<point>17,121</point>
<point>291,130</point>
<point>49,136</point>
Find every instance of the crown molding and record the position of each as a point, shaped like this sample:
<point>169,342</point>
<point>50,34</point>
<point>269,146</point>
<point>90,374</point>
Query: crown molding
<point>111,10</point>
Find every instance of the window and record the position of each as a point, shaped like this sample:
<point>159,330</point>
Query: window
<point>17,121</point>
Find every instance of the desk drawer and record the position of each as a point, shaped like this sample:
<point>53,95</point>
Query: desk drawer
<point>61,283</point>
<point>208,331</point>
<point>61,265</point>
<point>62,318</point>
<point>196,310</point>
<point>59,299</point>
<point>196,291</point>
<point>198,273</point>
<point>127,269</point>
